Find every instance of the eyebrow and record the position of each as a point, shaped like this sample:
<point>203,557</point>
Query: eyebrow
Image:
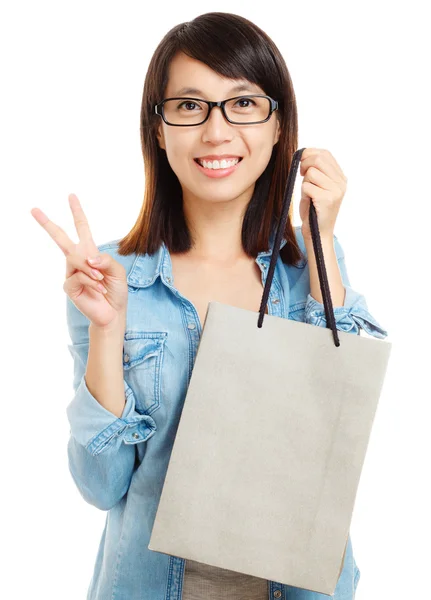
<point>243,87</point>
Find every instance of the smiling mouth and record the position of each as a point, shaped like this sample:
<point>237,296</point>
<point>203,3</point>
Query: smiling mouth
<point>199,163</point>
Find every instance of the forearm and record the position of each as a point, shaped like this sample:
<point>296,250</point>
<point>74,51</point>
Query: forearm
<point>104,373</point>
<point>335,281</point>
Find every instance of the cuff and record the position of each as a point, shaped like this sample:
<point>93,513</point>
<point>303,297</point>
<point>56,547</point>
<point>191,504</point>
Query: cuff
<point>350,317</point>
<point>96,428</point>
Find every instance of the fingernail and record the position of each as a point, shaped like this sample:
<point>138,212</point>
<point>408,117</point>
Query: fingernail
<point>97,274</point>
<point>94,261</point>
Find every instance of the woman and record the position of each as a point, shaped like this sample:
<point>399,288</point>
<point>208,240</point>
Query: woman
<point>204,233</point>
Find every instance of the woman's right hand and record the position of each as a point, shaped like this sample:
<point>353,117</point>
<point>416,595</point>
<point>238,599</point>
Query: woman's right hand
<point>102,309</point>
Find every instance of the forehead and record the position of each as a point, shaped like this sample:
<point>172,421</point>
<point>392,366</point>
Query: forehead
<point>188,76</point>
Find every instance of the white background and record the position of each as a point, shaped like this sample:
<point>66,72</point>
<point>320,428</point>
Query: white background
<point>71,76</point>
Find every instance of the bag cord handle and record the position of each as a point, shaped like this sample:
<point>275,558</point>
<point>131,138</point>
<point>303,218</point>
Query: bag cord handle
<point>317,245</point>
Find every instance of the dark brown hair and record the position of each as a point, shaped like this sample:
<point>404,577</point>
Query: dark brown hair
<point>254,56</point>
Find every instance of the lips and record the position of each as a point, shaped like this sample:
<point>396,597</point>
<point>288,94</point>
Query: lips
<point>217,173</point>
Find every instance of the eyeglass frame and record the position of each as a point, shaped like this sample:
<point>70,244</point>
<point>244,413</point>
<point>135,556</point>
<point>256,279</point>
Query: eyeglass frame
<point>221,104</point>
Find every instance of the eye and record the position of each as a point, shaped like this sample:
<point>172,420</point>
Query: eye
<point>188,103</point>
<point>246,100</point>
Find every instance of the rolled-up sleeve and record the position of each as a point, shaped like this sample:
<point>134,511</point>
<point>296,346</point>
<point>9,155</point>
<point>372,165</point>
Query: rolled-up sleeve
<point>354,313</point>
<point>101,448</point>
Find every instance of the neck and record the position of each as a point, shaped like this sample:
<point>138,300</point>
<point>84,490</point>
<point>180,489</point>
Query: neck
<point>216,229</point>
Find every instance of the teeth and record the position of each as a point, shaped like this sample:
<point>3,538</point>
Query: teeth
<point>215,164</point>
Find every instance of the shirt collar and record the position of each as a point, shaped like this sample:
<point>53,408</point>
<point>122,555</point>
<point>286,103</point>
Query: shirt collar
<point>146,268</point>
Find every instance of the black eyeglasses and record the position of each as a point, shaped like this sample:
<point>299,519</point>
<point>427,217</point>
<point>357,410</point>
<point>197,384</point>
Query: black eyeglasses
<point>258,109</point>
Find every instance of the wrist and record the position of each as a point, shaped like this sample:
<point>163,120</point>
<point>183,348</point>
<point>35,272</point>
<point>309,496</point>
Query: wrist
<point>116,328</point>
<point>325,238</point>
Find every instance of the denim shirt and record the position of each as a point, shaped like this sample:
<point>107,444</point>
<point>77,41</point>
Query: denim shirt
<point>119,464</point>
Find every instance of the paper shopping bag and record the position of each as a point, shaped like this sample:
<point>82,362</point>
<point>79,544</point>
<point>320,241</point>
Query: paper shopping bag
<point>267,458</point>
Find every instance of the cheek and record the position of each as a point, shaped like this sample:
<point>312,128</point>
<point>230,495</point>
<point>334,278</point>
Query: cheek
<point>179,151</point>
<point>260,144</point>
<point>261,152</point>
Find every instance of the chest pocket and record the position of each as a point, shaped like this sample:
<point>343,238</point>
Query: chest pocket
<point>142,367</point>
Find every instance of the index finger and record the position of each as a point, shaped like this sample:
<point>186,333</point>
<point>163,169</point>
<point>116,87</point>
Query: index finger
<point>81,223</point>
<point>59,236</point>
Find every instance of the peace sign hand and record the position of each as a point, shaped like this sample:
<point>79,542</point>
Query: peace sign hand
<point>81,285</point>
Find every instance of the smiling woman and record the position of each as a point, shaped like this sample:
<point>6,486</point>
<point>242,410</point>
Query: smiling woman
<point>218,133</point>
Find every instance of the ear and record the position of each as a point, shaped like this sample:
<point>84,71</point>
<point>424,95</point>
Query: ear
<point>160,137</point>
<point>277,132</point>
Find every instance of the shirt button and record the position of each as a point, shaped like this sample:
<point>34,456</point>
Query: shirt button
<point>168,279</point>
<point>126,358</point>
<point>277,594</point>
<point>276,301</point>
<point>191,326</point>
<point>136,436</point>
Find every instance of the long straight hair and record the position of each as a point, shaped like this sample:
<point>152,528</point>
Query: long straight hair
<point>251,55</point>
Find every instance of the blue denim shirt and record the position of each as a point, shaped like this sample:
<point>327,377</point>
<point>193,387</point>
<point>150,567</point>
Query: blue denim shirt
<point>119,464</point>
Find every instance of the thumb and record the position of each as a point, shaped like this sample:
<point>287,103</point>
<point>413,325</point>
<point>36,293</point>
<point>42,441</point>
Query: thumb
<point>104,262</point>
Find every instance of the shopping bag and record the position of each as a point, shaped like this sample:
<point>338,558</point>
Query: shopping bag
<point>274,430</point>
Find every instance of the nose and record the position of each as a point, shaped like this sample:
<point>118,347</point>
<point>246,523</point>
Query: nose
<point>217,128</point>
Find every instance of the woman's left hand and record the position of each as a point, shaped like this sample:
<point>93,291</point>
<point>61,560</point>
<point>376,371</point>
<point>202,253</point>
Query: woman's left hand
<point>325,183</point>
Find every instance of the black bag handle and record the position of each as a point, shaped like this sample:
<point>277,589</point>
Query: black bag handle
<point>317,245</point>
